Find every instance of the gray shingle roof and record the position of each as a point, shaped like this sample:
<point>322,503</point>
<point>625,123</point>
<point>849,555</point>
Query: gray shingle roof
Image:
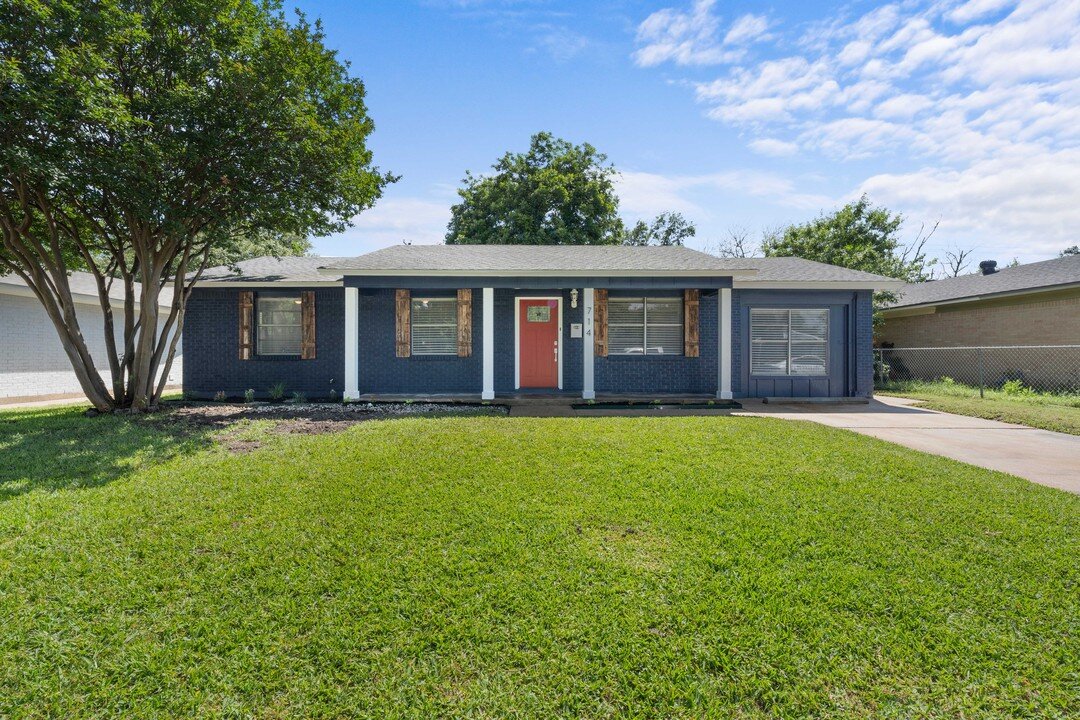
<point>272,269</point>
<point>1033,276</point>
<point>531,258</point>
<point>591,258</point>
<point>83,283</point>
<point>497,259</point>
<point>793,269</point>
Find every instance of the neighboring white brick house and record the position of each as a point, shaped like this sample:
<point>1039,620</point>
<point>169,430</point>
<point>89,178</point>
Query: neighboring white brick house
<point>33,363</point>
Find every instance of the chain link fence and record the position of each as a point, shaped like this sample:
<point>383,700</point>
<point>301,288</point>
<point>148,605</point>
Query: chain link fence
<point>1041,368</point>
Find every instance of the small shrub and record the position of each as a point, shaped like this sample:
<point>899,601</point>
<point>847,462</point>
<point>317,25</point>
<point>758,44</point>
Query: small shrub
<point>299,397</point>
<point>946,380</point>
<point>1016,388</point>
<point>276,392</point>
<point>249,395</point>
<point>220,396</point>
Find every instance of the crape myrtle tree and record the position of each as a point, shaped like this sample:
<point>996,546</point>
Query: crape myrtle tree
<point>142,139</point>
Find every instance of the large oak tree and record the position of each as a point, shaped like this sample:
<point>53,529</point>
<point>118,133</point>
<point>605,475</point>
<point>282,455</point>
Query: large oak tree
<point>140,139</point>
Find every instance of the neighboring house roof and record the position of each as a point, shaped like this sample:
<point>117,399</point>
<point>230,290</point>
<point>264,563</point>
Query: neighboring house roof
<point>1033,277</point>
<point>83,289</point>
<point>495,260</point>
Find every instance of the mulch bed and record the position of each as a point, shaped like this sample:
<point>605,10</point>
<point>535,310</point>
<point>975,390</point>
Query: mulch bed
<point>315,418</point>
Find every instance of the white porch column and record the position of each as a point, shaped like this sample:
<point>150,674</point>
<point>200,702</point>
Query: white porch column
<point>488,392</point>
<point>587,390</point>
<point>352,344</point>
<point>724,360</point>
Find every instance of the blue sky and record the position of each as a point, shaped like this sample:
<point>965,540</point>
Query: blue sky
<point>738,115</point>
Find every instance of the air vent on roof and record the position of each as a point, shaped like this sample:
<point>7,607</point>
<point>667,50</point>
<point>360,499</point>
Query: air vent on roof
<point>988,267</point>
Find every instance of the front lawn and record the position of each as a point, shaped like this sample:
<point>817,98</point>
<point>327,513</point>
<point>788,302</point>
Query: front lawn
<point>1048,411</point>
<point>503,567</point>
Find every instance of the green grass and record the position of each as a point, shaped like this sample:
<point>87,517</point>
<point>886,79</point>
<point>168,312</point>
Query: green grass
<point>501,567</point>
<point>1040,410</point>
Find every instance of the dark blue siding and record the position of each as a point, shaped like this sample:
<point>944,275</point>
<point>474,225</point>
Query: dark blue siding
<point>646,374</point>
<point>850,344</point>
<point>382,371</point>
<point>212,361</point>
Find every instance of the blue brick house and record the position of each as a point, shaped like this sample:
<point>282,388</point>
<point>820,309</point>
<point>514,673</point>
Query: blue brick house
<point>486,321</point>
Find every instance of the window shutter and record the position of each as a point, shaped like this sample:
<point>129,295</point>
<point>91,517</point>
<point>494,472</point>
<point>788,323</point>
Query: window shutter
<point>307,325</point>
<point>403,336</point>
<point>247,303</point>
<point>691,311</point>
<point>464,323</point>
<point>600,344</point>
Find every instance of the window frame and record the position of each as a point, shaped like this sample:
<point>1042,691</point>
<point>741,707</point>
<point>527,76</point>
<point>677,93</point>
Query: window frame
<point>789,341</point>
<point>413,350</point>
<point>296,299</point>
<point>644,325</point>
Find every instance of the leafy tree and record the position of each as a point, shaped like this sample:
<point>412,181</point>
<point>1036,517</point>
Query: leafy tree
<point>257,244</point>
<point>859,236</point>
<point>139,139</point>
<point>1073,250</point>
<point>557,193</point>
<point>669,228</point>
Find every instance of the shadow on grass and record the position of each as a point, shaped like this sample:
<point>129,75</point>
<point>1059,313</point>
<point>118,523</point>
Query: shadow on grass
<point>61,449</point>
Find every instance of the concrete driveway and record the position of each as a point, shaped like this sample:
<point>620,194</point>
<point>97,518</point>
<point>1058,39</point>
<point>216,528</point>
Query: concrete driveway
<point>1041,456</point>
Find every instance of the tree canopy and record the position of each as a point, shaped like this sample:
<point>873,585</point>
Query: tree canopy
<point>669,228</point>
<point>859,236</point>
<point>139,139</point>
<point>556,193</point>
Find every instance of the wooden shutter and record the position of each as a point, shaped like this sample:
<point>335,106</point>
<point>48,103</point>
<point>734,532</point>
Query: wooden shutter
<point>247,340</point>
<point>307,325</point>
<point>464,323</point>
<point>600,323</point>
<point>403,335</point>
<point>691,311</point>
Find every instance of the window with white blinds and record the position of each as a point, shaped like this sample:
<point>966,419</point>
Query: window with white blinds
<point>789,341</point>
<point>645,326</point>
<point>279,330</point>
<point>434,326</point>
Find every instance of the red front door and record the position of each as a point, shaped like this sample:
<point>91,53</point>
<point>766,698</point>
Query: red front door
<point>538,332</point>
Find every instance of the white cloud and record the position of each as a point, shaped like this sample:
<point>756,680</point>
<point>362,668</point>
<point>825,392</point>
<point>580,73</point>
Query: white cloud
<point>975,9</point>
<point>419,221</point>
<point>1018,205</point>
<point>645,194</point>
<point>561,43</point>
<point>747,29</point>
<point>984,95</point>
<point>690,37</point>
<point>773,147</point>
<point>903,106</point>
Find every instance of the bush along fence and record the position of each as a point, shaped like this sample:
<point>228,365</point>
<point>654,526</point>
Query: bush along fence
<point>1038,368</point>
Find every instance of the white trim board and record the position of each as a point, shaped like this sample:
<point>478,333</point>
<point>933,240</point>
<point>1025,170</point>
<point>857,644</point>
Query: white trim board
<point>517,336</point>
<point>539,273</point>
<point>268,283</point>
